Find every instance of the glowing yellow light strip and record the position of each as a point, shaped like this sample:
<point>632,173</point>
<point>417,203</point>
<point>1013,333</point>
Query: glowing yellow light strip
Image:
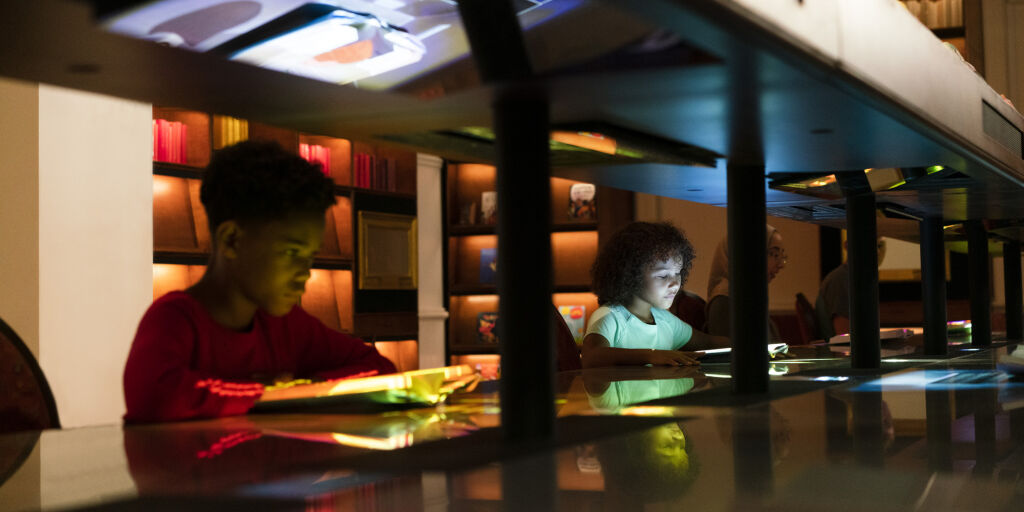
<point>586,140</point>
<point>395,381</point>
<point>372,443</point>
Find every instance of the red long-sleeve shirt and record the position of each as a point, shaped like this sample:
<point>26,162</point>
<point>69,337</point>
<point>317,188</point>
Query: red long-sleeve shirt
<point>184,365</point>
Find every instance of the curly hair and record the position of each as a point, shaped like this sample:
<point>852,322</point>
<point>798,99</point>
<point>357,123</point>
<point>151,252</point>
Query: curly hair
<point>259,181</point>
<point>633,465</point>
<point>618,272</point>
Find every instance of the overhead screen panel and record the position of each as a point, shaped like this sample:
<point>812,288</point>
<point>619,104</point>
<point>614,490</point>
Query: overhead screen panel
<point>370,44</point>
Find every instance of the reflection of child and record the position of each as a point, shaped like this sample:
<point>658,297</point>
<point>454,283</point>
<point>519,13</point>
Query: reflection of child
<point>208,351</point>
<point>651,466</point>
<point>636,277</point>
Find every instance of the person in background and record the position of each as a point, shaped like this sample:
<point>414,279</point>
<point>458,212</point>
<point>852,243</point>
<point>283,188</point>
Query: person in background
<point>833,304</point>
<point>718,284</point>
<point>636,277</point>
<point>209,351</point>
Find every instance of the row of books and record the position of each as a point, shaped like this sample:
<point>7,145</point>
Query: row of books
<point>937,13</point>
<point>318,155</point>
<point>170,141</point>
<point>229,130</point>
<point>373,173</point>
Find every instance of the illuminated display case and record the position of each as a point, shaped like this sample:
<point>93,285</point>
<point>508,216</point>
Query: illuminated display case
<point>387,183</point>
<point>472,256</point>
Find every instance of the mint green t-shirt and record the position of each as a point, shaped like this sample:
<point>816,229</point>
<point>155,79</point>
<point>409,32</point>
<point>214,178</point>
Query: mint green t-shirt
<point>623,329</point>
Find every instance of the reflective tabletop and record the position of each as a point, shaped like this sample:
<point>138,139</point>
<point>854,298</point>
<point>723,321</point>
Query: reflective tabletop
<point>928,433</point>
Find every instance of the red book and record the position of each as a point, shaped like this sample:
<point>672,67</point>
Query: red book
<point>183,146</point>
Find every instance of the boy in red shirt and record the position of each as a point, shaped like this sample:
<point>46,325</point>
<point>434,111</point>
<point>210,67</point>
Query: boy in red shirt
<point>208,351</point>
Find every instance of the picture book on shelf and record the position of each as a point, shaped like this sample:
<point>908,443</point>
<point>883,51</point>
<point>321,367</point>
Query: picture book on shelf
<point>486,328</point>
<point>576,319</point>
<point>582,204</point>
<point>489,207</point>
<point>488,265</point>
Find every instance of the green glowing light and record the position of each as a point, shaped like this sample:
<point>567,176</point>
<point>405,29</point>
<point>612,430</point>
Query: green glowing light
<point>934,169</point>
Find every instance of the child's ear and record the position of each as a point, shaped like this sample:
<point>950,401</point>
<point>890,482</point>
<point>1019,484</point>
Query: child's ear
<point>226,238</point>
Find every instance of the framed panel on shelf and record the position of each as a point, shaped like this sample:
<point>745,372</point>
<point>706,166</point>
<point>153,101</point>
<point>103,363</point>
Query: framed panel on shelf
<point>387,251</point>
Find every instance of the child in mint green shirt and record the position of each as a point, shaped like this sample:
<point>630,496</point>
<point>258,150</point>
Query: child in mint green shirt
<point>636,278</point>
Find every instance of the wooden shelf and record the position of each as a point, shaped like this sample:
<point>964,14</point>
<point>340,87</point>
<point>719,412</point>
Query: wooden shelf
<point>177,170</point>
<point>491,229</point>
<point>473,349</point>
<point>180,257</point>
<point>384,193</point>
<point>172,257</point>
<point>493,289</point>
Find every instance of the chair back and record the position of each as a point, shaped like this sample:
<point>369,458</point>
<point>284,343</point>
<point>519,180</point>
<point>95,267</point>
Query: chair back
<point>690,308</point>
<point>26,402</point>
<point>806,320</point>
<point>568,354</point>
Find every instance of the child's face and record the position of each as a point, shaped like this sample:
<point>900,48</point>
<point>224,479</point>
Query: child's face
<point>661,283</point>
<point>273,261</point>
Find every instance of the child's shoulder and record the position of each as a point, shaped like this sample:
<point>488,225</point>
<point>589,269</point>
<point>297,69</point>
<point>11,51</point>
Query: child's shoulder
<point>177,303</point>
<point>613,312</point>
<point>177,297</point>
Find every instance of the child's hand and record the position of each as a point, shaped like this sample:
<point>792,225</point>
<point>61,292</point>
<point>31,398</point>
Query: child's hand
<point>674,358</point>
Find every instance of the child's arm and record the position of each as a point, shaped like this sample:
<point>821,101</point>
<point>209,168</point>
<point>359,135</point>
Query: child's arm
<point>159,384</point>
<point>334,355</point>
<point>704,341</point>
<point>598,352</point>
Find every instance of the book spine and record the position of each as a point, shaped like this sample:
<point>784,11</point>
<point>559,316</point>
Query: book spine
<point>183,147</point>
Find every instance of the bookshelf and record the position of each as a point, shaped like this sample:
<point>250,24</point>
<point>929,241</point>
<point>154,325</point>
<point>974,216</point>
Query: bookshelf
<point>387,184</point>
<point>472,242</point>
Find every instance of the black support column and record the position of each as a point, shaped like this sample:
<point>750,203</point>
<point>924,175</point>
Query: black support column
<point>862,247</point>
<point>933,286</point>
<point>524,269</point>
<point>981,301</point>
<point>525,330</point>
<point>1012,282</point>
<point>748,278</point>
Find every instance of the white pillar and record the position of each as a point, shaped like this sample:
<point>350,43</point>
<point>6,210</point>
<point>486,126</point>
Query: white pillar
<point>79,275</point>
<point>432,309</point>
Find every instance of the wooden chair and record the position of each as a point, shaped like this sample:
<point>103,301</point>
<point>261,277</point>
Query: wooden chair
<point>691,308</point>
<point>568,354</point>
<point>806,320</point>
<point>26,402</point>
